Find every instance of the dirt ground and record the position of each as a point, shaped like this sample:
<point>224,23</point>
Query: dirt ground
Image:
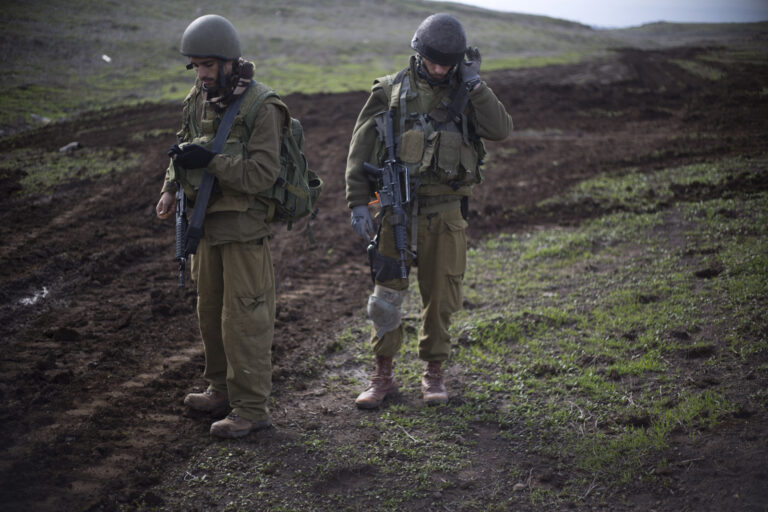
<point>94,371</point>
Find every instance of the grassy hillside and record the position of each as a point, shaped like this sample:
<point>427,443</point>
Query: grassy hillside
<point>64,56</point>
<point>738,35</point>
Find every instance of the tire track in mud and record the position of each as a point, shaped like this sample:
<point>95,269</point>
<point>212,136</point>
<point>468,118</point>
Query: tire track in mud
<point>116,447</point>
<point>88,424</point>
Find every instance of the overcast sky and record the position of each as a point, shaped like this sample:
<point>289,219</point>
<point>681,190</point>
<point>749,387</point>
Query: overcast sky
<point>626,13</point>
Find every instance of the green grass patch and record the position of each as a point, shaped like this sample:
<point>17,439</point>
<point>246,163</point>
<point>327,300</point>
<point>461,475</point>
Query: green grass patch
<point>699,69</point>
<point>534,61</point>
<point>642,299</point>
<point>41,172</point>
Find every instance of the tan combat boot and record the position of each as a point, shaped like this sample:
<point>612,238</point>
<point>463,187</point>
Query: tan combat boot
<point>382,384</point>
<point>207,401</point>
<point>236,426</point>
<point>432,384</point>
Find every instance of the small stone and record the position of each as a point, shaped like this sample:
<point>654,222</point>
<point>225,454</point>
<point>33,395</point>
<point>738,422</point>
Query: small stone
<point>71,147</point>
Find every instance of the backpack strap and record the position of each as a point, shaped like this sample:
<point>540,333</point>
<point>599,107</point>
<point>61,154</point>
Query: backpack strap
<point>251,109</point>
<point>397,88</point>
<point>195,229</point>
<point>254,102</point>
<point>389,82</point>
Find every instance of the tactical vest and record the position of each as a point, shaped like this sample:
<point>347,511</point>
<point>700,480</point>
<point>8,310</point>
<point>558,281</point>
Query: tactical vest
<point>437,147</point>
<point>223,198</point>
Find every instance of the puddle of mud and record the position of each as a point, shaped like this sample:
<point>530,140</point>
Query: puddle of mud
<point>35,297</point>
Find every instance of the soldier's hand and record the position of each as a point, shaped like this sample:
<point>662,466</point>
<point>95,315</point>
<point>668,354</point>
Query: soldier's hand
<point>362,222</point>
<point>193,156</point>
<point>470,67</point>
<point>166,206</point>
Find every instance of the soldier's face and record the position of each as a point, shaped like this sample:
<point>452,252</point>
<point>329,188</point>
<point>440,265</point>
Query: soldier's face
<point>436,71</point>
<point>207,69</point>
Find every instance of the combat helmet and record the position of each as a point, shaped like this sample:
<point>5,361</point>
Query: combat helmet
<point>211,36</point>
<point>441,39</point>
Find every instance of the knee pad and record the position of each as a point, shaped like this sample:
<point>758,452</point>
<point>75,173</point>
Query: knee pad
<point>384,309</point>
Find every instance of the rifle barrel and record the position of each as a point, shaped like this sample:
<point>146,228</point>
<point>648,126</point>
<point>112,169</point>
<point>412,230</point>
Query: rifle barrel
<point>181,232</point>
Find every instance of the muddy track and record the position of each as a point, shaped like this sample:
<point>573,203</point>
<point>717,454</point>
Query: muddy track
<point>94,370</point>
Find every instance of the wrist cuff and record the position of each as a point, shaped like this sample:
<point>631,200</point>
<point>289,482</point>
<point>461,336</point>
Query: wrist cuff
<point>472,83</point>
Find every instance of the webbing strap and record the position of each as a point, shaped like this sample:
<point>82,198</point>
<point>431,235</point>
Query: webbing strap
<point>405,86</point>
<point>295,190</point>
<point>415,228</point>
<point>195,229</point>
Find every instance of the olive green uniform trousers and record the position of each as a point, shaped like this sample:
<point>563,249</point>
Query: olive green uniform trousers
<point>441,243</point>
<point>236,315</point>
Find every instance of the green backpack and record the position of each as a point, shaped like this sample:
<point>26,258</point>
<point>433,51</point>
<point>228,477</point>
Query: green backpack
<point>297,187</point>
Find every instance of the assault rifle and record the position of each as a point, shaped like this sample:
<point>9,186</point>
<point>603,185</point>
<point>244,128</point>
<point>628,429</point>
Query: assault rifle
<point>392,182</point>
<point>181,231</point>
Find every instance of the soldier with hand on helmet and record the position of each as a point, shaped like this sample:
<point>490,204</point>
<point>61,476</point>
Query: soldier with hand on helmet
<point>232,266</point>
<point>441,111</point>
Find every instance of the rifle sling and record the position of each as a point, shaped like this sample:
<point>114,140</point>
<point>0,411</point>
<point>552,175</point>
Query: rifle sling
<point>460,98</point>
<point>195,229</point>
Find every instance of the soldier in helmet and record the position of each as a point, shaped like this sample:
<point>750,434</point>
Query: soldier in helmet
<point>232,267</point>
<point>441,111</point>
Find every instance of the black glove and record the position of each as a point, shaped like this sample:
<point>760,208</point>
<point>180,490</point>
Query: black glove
<point>470,68</point>
<point>192,156</point>
<point>174,150</point>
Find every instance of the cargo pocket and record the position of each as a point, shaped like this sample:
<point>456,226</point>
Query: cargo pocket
<point>253,317</point>
<point>249,287</point>
<point>449,154</point>
<point>469,164</point>
<point>251,304</point>
<point>454,243</point>
<point>234,144</point>
<point>429,150</point>
<point>206,125</point>
<point>412,146</point>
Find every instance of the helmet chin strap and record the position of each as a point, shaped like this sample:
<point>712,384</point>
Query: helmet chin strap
<point>222,78</point>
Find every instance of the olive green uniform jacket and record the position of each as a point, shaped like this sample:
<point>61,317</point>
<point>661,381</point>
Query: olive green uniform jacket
<point>445,163</point>
<point>249,164</point>
<point>485,113</point>
<point>232,266</point>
